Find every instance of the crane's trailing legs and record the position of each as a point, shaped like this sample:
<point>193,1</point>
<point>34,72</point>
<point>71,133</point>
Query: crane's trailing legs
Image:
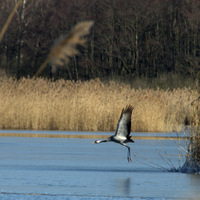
<point>129,158</point>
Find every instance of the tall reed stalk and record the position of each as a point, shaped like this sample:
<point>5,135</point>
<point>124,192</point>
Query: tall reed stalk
<point>9,20</point>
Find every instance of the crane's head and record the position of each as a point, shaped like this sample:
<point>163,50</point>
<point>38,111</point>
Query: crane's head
<point>96,142</point>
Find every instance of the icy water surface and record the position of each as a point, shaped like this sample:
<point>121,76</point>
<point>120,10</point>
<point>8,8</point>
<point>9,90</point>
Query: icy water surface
<point>69,169</point>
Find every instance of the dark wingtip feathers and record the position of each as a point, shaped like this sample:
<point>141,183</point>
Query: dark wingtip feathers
<point>128,109</point>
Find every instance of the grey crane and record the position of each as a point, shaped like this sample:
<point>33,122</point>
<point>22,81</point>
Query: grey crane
<point>122,133</point>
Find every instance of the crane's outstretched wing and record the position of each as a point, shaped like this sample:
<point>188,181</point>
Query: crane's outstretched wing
<point>124,123</point>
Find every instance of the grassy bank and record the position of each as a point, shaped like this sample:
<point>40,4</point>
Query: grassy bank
<point>94,106</point>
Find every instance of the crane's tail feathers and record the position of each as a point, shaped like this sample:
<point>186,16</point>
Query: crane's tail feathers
<point>129,138</point>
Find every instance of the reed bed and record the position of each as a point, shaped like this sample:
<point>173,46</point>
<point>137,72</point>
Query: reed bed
<point>42,104</point>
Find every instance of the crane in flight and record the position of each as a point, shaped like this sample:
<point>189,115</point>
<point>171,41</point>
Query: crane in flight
<point>122,133</point>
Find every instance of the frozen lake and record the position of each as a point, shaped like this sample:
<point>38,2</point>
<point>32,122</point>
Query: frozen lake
<point>69,169</point>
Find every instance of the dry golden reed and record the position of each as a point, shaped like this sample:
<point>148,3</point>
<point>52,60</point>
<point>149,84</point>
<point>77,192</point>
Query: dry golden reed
<point>41,104</point>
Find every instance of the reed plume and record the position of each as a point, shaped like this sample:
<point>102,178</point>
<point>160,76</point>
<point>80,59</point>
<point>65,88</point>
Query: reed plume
<point>67,47</point>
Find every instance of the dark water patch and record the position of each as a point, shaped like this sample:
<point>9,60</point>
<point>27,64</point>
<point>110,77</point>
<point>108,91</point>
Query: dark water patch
<point>80,169</point>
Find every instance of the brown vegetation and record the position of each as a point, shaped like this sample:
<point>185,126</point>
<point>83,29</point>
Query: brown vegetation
<point>195,131</point>
<point>192,163</point>
<point>90,106</point>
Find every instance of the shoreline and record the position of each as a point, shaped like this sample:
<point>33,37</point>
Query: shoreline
<point>88,136</point>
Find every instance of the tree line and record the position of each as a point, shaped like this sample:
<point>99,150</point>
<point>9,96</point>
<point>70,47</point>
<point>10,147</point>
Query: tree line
<point>139,38</point>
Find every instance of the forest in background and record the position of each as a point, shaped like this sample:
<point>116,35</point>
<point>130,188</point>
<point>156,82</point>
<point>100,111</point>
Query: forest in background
<point>135,38</point>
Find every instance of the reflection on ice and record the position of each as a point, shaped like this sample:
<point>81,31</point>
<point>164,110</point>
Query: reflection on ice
<point>123,185</point>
